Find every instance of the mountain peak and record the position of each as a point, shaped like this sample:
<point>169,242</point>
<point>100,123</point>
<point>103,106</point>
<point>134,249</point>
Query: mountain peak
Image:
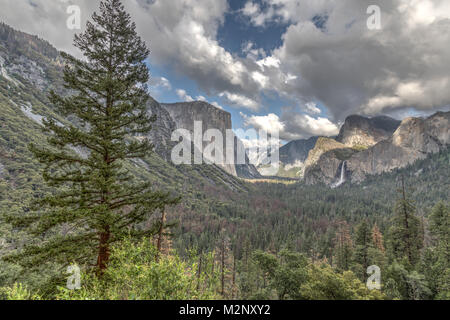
<point>358,130</point>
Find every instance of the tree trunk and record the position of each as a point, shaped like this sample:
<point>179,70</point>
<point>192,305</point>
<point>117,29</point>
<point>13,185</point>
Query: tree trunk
<point>199,272</point>
<point>160,235</point>
<point>103,252</point>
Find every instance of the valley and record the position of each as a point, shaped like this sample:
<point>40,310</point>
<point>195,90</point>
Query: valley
<point>305,219</point>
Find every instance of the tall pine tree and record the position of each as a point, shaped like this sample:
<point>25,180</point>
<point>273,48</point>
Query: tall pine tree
<point>96,199</point>
<point>406,233</point>
<point>362,246</point>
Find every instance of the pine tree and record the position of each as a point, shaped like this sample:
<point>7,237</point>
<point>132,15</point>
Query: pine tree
<point>440,229</point>
<point>97,198</point>
<point>406,238</point>
<point>362,245</point>
<point>377,238</point>
<point>223,252</point>
<point>343,246</point>
<point>435,264</point>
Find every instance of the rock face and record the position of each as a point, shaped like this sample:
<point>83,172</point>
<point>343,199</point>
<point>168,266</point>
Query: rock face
<point>414,139</point>
<point>292,157</point>
<point>359,131</point>
<point>325,160</point>
<point>184,114</point>
<point>28,60</point>
<point>162,129</point>
<point>297,150</point>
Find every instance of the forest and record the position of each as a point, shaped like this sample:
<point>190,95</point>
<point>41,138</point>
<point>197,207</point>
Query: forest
<point>191,232</point>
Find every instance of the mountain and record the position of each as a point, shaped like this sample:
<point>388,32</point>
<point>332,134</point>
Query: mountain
<point>332,162</point>
<point>30,67</point>
<point>324,160</point>
<point>186,113</point>
<point>359,131</point>
<point>414,139</point>
<point>292,157</point>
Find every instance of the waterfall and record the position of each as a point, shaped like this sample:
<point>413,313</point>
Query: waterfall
<point>342,177</point>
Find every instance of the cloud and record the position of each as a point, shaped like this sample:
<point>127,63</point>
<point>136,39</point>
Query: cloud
<point>160,83</point>
<point>327,55</point>
<point>292,125</point>
<point>311,108</point>
<point>240,101</point>
<point>184,96</point>
<point>257,15</point>
<point>218,106</point>
<point>181,34</point>
<point>351,69</point>
<point>270,123</point>
<point>300,126</point>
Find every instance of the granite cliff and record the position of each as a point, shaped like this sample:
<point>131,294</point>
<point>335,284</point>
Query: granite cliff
<point>358,131</point>
<point>184,114</point>
<point>365,147</point>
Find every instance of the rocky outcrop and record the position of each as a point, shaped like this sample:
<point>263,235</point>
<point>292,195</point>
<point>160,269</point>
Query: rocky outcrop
<point>162,129</point>
<point>358,131</point>
<point>297,150</point>
<point>185,114</point>
<point>28,60</point>
<point>414,139</point>
<point>292,157</point>
<point>325,160</point>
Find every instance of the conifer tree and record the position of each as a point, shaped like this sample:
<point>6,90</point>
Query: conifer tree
<point>440,229</point>
<point>343,246</point>
<point>362,245</point>
<point>97,199</point>
<point>406,237</point>
<point>377,238</point>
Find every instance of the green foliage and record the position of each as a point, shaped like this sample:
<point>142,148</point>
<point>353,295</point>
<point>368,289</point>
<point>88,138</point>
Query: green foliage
<point>362,247</point>
<point>406,233</point>
<point>134,274</point>
<point>291,275</point>
<point>18,292</point>
<point>325,284</point>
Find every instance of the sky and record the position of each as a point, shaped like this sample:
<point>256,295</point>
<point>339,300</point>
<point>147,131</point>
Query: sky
<point>299,67</point>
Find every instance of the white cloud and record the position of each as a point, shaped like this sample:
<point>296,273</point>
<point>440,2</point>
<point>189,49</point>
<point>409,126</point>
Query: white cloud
<point>218,106</point>
<point>269,62</point>
<point>184,96</point>
<point>258,17</point>
<point>311,108</point>
<point>260,78</point>
<point>291,125</point>
<point>316,126</point>
<point>270,123</point>
<point>240,101</point>
<point>159,83</point>
<point>352,69</point>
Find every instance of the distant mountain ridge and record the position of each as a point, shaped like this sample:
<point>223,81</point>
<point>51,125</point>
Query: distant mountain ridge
<point>376,151</point>
<point>361,131</point>
<point>368,146</point>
